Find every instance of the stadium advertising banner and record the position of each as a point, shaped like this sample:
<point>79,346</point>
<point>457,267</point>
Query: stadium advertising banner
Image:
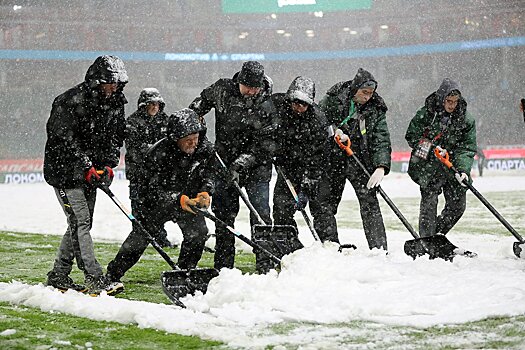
<point>280,6</point>
<point>22,171</point>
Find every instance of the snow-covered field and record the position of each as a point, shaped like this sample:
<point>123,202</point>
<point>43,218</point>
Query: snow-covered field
<point>318,290</point>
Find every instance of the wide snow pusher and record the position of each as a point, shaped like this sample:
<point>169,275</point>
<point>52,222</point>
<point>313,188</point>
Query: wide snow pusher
<point>437,246</point>
<point>270,244</point>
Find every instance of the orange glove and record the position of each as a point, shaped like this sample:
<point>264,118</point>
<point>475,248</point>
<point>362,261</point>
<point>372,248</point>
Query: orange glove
<point>185,203</point>
<point>203,200</point>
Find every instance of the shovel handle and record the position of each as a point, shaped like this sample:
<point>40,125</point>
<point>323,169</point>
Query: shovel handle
<point>443,159</point>
<point>296,198</point>
<point>133,220</point>
<point>243,195</point>
<point>237,234</point>
<point>344,146</point>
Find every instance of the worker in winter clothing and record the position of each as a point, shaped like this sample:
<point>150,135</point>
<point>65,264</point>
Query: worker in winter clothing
<point>144,127</point>
<point>238,119</point>
<point>177,177</point>
<point>445,123</point>
<point>356,113</point>
<point>84,134</point>
<point>298,142</point>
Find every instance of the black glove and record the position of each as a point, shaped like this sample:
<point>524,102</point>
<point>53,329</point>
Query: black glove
<point>236,168</point>
<point>302,201</point>
<point>232,176</point>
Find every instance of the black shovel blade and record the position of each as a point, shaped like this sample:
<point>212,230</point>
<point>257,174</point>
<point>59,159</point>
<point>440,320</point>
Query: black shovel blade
<point>177,284</point>
<point>437,246</point>
<point>517,247</point>
<point>279,240</point>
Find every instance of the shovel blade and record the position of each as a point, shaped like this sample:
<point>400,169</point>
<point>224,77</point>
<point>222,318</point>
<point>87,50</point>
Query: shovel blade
<point>279,240</point>
<point>518,249</point>
<point>437,246</point>
<point>177,284</point>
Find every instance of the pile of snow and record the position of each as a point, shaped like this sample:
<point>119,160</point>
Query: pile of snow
<point>317,285</point>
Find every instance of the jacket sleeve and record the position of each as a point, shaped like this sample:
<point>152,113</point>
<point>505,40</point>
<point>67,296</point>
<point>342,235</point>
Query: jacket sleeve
<point>206,101</point>
<point>135,147</point>
<point>462,155</point>
<point>207,168</point>
<point>62,127</point>
<point>117,138</point>
<point>329,106</point>
<point>317,152</point>
<point>262,143</point>
<point>416,127</point>
<point>380,144</point>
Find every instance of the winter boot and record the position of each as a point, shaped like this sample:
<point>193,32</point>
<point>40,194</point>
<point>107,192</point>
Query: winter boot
<point>99,284</point>
<point>63,282</point>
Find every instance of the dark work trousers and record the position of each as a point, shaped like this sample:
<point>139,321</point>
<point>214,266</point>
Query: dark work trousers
<point>455,205</point>
<point>284,203</point>
<point>194,232</point>
<point>78,205</point>
<point>225,206</point>
<point>324,207</point>
<point>136,202</point>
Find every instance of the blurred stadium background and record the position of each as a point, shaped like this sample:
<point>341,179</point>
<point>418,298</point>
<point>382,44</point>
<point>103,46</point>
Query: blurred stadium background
<point>180,47</point>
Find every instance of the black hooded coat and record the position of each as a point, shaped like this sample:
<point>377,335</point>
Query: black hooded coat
<point>142,131</point>
<point>237,123</point>
<point>85,128</point>
<point>171,172</point>
<point>298,141</point>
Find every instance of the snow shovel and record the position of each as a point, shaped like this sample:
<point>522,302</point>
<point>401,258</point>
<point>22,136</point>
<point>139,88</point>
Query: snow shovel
<point>437,246</point>
<point>303,211</point>
<point>256,246</point>
<point>517,246</point>
<point>278,239</point>
<point>176,283</point>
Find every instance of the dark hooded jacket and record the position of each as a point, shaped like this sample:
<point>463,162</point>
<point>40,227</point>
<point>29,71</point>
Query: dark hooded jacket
<point>142,131</point>
<point>171,172</point>
<point>238,119</point>
<point>298,141</point>
<point>86,129</point>
<point>367,129</point>
<point>455,132</point>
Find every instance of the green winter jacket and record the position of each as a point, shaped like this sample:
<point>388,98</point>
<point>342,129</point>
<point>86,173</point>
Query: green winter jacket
<point>367,129</point>
<point>459,139</point>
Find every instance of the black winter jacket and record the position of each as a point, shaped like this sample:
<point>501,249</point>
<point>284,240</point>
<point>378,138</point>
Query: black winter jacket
<point>237,123</point>
<point>172,173</point>
<point>298,142</point>
<point>84,129</point>
<point>142,131</point>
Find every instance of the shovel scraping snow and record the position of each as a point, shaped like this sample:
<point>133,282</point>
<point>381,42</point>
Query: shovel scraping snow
<point>176,283</point>
<point>437,246</point>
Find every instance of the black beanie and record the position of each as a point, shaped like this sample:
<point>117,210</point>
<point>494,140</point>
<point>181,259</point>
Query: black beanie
<point>252,74</point>
<point>183,123</point>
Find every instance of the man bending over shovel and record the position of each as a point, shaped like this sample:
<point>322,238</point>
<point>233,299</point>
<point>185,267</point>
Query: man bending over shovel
<point>178,177</point>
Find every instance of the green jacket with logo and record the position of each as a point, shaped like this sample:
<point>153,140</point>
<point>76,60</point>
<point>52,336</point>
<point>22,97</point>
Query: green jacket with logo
<point>459,139</point>
<point>367,129</point>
